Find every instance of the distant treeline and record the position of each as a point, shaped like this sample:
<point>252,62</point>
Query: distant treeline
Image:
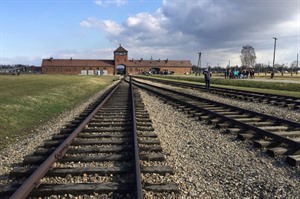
<point>258,68</point>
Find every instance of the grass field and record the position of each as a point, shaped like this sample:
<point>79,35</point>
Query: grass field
<point>27,101</point>
<point>287,85</point>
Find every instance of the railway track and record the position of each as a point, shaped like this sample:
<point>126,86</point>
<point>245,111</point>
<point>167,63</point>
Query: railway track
<point>278,136</point>
<point>278,100</point>
<point>109,149</point>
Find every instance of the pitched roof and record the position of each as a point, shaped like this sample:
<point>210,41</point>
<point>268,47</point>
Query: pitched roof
<point>160,63</point>
<point>78,62</point>
<point>120,49</point>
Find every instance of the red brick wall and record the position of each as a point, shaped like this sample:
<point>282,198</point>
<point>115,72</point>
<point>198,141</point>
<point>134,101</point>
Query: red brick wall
<point>73,70</point>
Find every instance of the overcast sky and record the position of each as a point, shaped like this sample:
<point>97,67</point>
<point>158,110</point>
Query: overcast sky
<point>31,30</point>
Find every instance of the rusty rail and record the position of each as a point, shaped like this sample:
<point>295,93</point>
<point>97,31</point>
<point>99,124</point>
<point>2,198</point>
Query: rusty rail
<point>291,124</point>
<point>139,193</point>
<point>33,181</point>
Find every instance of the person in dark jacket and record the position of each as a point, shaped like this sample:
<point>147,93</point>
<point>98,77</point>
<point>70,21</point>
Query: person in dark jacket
<point>207,77</point>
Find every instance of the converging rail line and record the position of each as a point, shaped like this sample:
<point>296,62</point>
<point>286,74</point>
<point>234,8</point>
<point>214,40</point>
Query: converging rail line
<point>279,136</point>
<point>101,152</point>
<point>279,100</point>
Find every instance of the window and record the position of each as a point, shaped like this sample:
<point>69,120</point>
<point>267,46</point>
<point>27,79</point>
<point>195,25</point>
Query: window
<point>120,53</point>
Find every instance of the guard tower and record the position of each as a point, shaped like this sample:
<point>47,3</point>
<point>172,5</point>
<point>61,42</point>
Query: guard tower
<point>120,57</point>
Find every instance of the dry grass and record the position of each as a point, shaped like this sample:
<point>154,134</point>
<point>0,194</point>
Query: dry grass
<point>27,101</point>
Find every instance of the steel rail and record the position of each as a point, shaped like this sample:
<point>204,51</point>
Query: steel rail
<point>231,91</point>
<point>33,181</point>
<point>224,118</point>
<point>139,191</point>
<point>278,120</point>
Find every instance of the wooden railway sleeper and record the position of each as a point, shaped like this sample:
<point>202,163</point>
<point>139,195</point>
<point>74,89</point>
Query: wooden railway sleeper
<point>144,124</point>
<point>249,98</point>
<point>262,143</point>
<point>104,135</point>
<point>291,105</point>
<point>143,119</point>
<point>253,119</point>
<point>234,130</point>
<point>261,123</point>
<point>228,113</point>
<point>214,108</point>
<point>293,160</point>
<point>224,124</point>
<point>22,172</point>
<point>248,135</point>
<point>205,117</point>
<point>214,121</point>
<point>198,114</point>
<point>279,103</point>
<point>169,187</point>
<point>125,120</point>
<point>274,128</point>
<point>187,109</point>
<point>218,122</point>
<point>191,112</point>
<point>109,124</point>
<point>204,105</point>
<point>145,128</point>
<point>276,151</point>
<point>288,133</point>
<point>238,116</point>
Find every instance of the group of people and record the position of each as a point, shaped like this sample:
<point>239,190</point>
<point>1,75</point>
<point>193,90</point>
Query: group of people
<point>244,74</point>
<point>228,74</point>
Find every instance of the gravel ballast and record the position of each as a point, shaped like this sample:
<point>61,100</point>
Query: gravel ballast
<point>209,164</point>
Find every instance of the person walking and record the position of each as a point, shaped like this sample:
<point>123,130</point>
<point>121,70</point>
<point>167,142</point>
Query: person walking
<point>207,77</point>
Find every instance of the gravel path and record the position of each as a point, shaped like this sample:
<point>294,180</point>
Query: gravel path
<point>209,164</point>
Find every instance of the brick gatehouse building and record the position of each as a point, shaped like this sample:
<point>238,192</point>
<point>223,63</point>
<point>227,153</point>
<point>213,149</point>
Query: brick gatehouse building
<point>119,65</point>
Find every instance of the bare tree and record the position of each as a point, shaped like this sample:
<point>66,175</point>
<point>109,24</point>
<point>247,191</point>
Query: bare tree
<point>248,56</point>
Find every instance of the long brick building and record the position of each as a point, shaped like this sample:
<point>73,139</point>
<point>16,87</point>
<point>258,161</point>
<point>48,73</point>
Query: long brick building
<point>119,65</point>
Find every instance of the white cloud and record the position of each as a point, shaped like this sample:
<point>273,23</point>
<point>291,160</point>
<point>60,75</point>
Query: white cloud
<point>105,3</point>
<point>112,27</point>
<point>179,30</point>
<point>109,26</point>
<point>106,53</point>
<point>146,23</point>
<point>92,23</point>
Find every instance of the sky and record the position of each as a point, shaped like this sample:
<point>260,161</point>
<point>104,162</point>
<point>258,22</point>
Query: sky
<point>32,30</point>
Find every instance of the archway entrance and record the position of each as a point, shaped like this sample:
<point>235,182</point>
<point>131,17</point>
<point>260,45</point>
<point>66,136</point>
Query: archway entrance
<point>121,70</point>
<point>155,70</point>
